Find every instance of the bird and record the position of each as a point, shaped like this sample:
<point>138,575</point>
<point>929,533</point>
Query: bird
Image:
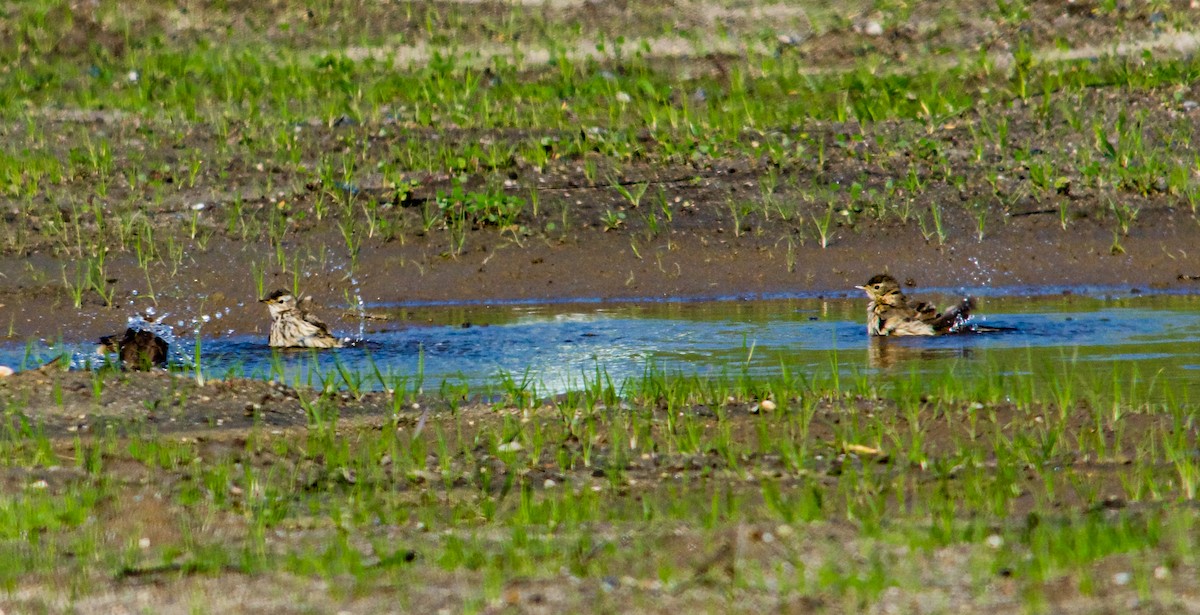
<point>890,312</point>
<point>139,349</point>
<point>292,326</point>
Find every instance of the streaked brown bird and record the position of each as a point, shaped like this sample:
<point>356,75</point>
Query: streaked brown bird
<point>890,312</point>
<point>139,349</point>
<point>293,326</point>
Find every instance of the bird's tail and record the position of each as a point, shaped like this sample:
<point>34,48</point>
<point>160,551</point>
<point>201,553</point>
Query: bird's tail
<point>954,317</point>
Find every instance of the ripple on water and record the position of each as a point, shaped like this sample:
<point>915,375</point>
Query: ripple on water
<point>563,346</point>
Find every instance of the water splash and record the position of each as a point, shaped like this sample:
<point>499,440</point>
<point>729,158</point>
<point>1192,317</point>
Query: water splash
<point>360,307</point>
<point>981,275</point>
<point>560,348</point>
<point>180,350</point>
<point>85,355</point>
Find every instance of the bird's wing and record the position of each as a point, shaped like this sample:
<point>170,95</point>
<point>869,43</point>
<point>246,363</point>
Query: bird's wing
<point>305,305</point>
<point>924,311</point>
<point>903,321</point>
<point>161,346</point>
<point>312,319</point>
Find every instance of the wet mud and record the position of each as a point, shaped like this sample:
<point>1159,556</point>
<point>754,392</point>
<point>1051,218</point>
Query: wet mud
<point>704,260</point>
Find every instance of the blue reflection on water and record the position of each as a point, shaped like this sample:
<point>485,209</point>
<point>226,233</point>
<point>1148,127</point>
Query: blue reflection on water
<point>562,347</point>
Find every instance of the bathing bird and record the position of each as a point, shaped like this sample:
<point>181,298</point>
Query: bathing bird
<point>139,349</point>
<point>890,312</point>
<point>293,326</point>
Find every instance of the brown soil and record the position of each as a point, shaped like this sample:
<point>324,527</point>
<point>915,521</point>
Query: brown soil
<point>705,252</point>
<point>702,255</point>
<point>264,426</point>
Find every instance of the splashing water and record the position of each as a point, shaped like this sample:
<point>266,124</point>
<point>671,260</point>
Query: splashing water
<point>147,320</point>
<point>360,307</point>
<point>981,275</point>
<point>179,351</point>
<point>560,347</point>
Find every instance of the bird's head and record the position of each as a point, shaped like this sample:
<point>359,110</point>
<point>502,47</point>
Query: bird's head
<point>279,302</point>
<point>881,288</point>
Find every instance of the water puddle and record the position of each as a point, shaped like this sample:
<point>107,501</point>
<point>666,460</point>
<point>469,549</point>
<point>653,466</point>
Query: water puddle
<point>1121,342</point>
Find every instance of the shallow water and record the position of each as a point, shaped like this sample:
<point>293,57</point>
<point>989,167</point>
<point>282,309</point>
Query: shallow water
<point>1122,342</point>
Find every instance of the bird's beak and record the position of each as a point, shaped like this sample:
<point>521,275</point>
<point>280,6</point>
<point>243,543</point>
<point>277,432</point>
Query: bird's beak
<point>861,287</point>
<point>264,300</point>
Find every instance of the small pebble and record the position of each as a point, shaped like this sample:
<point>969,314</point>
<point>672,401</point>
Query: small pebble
<point>5,371</point>
<point>789,38</point>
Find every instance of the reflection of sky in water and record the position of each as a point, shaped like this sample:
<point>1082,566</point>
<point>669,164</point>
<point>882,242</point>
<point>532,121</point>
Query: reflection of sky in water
<point>563,347</point>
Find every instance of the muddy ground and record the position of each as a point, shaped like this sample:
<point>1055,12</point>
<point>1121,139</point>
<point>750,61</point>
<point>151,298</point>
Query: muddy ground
<point>264,429</point>
<point>697,266</point>
<point>708,251</point>
<point>701,257</point>
<point>1068,235</point>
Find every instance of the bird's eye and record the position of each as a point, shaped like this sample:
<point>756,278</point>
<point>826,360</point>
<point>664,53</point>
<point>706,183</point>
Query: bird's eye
<point>876,287</point>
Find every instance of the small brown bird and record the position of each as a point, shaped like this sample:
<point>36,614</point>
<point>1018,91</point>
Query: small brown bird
<point>139,349</point>
<point>890,313</point>
<point>292,326</point>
